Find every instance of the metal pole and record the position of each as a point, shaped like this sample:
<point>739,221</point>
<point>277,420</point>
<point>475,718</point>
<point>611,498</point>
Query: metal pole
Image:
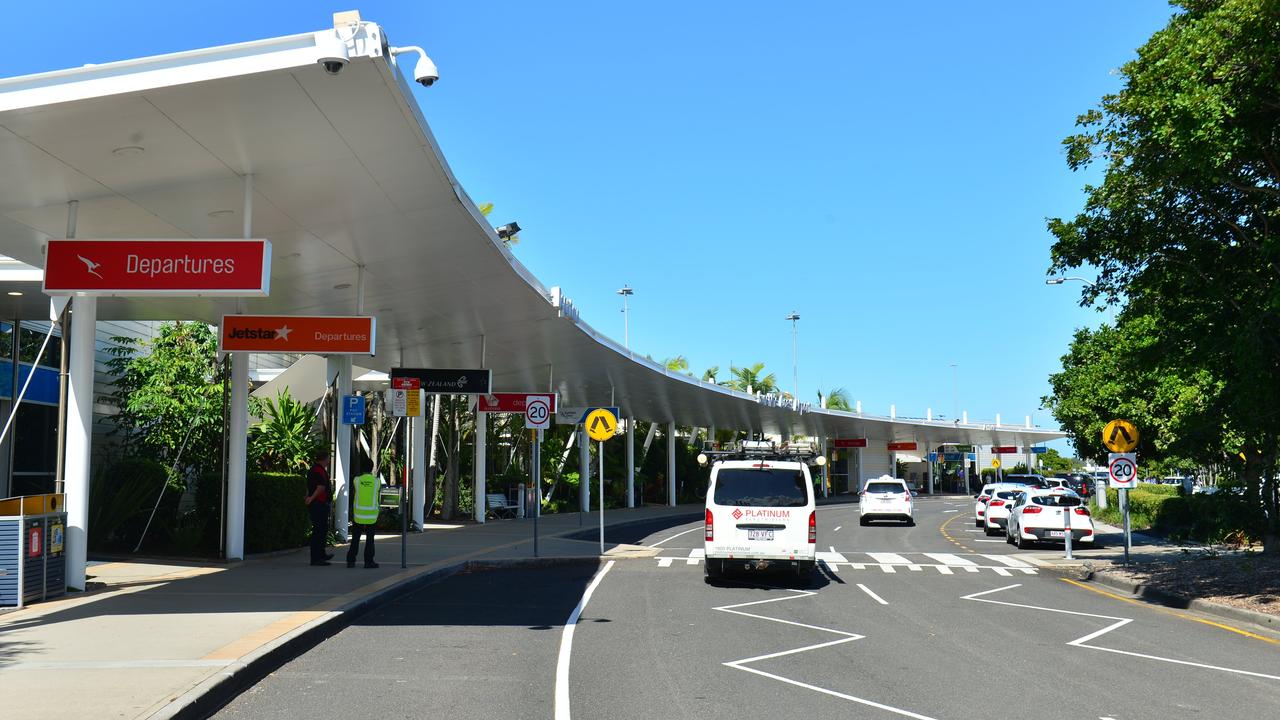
<point>1067,513</point>
<point>404,496</point>
<point>536,477</point>
<point>601,498</point>
<point>1124,507</point>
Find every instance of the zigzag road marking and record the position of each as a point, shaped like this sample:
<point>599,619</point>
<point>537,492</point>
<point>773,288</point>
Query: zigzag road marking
<point>845,637</point>
<point>1120,622</point>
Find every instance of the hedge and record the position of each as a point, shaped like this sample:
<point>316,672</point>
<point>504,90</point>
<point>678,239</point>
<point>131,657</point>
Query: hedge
<point>121,500</point>
<point>275,516</point>
<point>1207,518</point>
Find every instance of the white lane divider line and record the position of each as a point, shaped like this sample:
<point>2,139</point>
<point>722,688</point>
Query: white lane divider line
<point>1120,622</point>
<point>846,637</point>
<point>971,569</point>
<point>874,596</point>
<point>673,537</point>
<point>695,555</point>
<point>949,511</point>
<point>566,647</point>
<point>837,528</point>
<point>832,557</point>
<point>994,541</point>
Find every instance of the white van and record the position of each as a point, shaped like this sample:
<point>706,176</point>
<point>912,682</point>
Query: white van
<point>760,514</point>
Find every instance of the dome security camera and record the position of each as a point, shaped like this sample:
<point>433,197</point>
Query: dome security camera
<point>333,52</point>
<point>425,72</point>
<point>332,65</point>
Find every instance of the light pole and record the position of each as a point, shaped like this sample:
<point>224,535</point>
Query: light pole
<point>626,292</point>
<point>795,374</point>
<point>1060,280</point>
<point>955,391</point>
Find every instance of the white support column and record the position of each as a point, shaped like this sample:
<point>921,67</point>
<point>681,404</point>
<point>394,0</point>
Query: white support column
<point>631,462</point>
<point>671,464</point>
<point>926,457</point>
<point>481,463</point>
<point>419,432</point>
<point>79,442</point>
<point>340,366</point>
<point>238,435</point>
<point>858,483</point>
<point>584,470</point>
<point>826,467</point>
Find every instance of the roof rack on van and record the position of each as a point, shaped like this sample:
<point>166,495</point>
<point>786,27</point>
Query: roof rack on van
<point>760,449</point>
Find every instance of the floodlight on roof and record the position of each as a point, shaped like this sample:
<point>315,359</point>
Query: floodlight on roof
<point>506,232</point>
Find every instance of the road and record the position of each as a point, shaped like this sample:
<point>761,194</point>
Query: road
<point>928,621</point>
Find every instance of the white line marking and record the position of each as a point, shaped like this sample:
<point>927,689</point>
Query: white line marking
<point>858,566</point>
<point>949,511</point>
<point>974,530</point>
<point>971,569</point>
<point>837,528</point>
<point>915,568</point>
<point>848,637</point>
<point>1009,560</point>
<point>874,596</point>
<point>1002,572</point>
<point>831,557</point>
<point>950,559</point>
<point>889,558</point>
<point>673,537</point>
<point>1120,622</point>
<point>888,569</point>
<point>117,664</point>
<point>665,561</point>
<point>995,541</point>
<point>944,569</point>
<point>566,647</point>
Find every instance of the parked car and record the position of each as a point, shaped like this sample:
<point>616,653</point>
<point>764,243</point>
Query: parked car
<point>1044,515</point>
<point>1029,479</point>
<point>886,498</point>
<point>1002,498</point>
<point>980,503</point>
<point>1079,482</point>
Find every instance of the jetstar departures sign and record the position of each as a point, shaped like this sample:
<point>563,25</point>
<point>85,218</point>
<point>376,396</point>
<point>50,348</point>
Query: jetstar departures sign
<point>229,268</point>
<point>297,334</point>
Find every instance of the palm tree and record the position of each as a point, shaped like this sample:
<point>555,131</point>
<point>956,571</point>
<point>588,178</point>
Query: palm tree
<point>837,399</point>
<point>749,379</point>
<point>709,375</point>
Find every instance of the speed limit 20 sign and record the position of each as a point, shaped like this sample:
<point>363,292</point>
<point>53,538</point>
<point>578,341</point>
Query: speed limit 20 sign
<point>537,412</point>
<point>1123,470</point>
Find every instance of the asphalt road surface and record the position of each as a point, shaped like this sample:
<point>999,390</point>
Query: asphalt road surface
<point>928,621</point>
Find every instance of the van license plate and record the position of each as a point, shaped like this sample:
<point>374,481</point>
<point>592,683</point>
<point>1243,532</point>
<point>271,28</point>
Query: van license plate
<point>759,534</point>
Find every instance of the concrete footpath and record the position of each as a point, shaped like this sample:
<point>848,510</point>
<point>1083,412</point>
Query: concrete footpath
<point>171,640</point>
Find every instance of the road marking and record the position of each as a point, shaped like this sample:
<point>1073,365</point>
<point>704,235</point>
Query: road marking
<point>994,541</point>
<point>950,511</point>
<point>665,561</point>
<point>888,569</point>
<point>974,530</point>
<point>915,568</point>
<point>673,537</point>
<point>949,559</point>
<point>117,664</point>
<point>945,570</point>
<point>1120,622</point>
<point>566,647</point>
<point>1002,572</point>
<point>837,528</point>
<point>847,637</point>
<point>892,558</point>
<point>874,596</point>
<point>695,555</point>
<point>1192,618</point>
<point>1007,560</point>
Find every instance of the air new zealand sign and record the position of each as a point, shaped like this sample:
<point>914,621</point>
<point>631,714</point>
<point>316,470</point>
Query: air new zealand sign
<point>448,382</point>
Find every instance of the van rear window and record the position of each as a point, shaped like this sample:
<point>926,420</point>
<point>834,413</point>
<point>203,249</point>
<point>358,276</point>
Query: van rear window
<point>761,488</point>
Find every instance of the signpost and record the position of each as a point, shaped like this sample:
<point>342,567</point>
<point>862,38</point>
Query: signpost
<point>1120,436</point>
<point>601,424</point>
<point>1123,470</point>
<point>538,409</point>
<point>448,381</point>
<point>166,268</point>
<point>537,412</point>
<point>353,410</point>
<point>902,446</point>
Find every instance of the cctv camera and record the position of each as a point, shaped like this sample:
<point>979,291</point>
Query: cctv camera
<point>425,71</point>
<point>333,65</point>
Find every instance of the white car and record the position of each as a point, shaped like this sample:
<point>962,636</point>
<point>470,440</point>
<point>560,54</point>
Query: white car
<point>998,505</point>
<point>760,514</point>
<point>980,503</point>
<point>885,498</point>
<point>1045,515</point>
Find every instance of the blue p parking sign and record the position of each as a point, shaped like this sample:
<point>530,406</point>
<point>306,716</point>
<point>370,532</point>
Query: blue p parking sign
<point>352,409</point>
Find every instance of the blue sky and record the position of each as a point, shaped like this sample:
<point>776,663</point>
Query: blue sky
<point>884,169</point>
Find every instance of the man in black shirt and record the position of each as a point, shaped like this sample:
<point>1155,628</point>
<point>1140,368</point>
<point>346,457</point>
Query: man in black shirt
<point>318,497</point>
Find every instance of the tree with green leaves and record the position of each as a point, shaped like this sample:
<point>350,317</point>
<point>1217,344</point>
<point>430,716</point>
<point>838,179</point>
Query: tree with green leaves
<point>169,394</point>
<point>285,439</point>
<point>1185,220</point>
<point>836,399</point>
<point>751,379</point>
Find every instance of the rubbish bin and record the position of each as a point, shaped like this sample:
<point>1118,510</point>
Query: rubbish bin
<point>33,563</point>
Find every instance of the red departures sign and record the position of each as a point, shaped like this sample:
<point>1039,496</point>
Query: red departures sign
<point>230,268</point>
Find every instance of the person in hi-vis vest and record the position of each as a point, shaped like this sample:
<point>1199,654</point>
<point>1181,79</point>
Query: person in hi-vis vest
<point>364,514</point>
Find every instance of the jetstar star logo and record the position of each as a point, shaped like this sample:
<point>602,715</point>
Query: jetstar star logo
<point>737,514</point>
<point>261,333</point>
<point>283,333</point>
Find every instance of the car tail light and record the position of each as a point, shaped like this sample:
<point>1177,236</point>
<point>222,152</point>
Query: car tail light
<point>813,526</point>
<point>711,527</point>
<point>1082,511</point>
<point>1031,510</point>
<point>994,503</point>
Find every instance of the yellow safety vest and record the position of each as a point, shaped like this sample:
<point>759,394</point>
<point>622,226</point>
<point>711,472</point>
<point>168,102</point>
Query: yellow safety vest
<point>366,505</point>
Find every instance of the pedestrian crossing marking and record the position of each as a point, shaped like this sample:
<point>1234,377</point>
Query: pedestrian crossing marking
<point>889,563</point>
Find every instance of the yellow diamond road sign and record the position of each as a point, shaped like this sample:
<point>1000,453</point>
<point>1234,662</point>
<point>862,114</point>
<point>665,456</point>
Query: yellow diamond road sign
<point>995,462</point>
<point>601,425</point>
<point>1120,436</point>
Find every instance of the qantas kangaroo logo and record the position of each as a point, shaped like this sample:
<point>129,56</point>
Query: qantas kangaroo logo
<point>91,266</point>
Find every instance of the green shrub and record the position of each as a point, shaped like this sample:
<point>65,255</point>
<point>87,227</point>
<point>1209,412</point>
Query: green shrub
<point>1204,518</point>
<point>275,516</point>
<point>121,500</point>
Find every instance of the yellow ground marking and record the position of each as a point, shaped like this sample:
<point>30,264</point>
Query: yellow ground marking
<point>943,529</point>
<point>1174,613</point>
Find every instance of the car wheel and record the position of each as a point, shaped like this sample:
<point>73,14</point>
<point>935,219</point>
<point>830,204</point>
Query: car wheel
<point>977,523</point>
<point>1023,544</point>
<point>911,522</point>
<point>1007,537</point>
<point>862,521</point>
<point>804,571</point>
<point>992,531</point>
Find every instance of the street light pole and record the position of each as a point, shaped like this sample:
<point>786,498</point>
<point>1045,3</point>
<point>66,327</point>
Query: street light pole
<point>955,391</point>
<point>626,292</point>
<point>1060,280</point>
<point>795,373</point>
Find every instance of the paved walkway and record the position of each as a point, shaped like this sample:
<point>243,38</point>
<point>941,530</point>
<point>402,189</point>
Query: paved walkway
<point>159,636</point>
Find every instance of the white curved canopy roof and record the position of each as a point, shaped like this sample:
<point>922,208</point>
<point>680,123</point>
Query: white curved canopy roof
<point>346,174</point>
